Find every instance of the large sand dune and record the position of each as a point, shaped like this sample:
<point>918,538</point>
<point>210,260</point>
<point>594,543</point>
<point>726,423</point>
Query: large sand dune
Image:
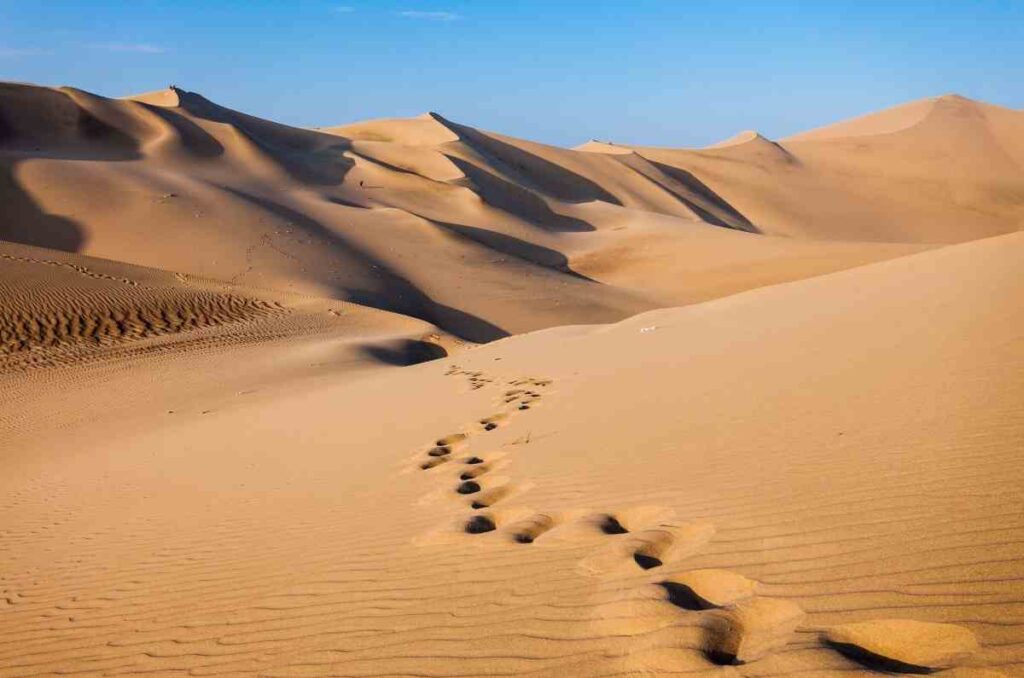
<point>749,410</point>
<point>939,170</point>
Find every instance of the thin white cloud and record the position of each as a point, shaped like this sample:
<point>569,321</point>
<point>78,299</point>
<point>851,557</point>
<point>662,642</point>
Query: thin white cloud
<point>136,47</point>
<point>430,16</point>
<point>15,52</point>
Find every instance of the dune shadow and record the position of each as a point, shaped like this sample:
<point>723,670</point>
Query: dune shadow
<point>708,205</point>
<point>308,156</point>
<point>197,140</point>
<point>394,292</point>
<point>516,200</point>
<point>42,123</point>
<point>515,247</point>
<point>25,222</point>
<point>532,170</point>
<point>405,352</point>
<point>465,325</point>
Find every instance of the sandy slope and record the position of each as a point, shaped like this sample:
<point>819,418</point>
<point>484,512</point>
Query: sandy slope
<point>823,439</point>
<point>807,462</point>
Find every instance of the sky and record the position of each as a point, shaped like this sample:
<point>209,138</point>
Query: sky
<point>650,72</point>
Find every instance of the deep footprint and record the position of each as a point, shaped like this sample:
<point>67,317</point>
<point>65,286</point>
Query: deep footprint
<point>489,498</point>
<point>479,525</point>
<point>491,423</point>
<point>651,547</point>
<point>450,440</point>
<point>750,630</point>
<point>903,645</point>
<point>432,463</point>
<point>708,589</point>
<point>475,472</point>
<point>468,487</point>
<point>529,530</point>
<point>609,524</point>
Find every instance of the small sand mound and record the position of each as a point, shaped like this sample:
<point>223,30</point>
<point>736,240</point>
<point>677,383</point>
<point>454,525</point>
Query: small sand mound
<point>903,645</point>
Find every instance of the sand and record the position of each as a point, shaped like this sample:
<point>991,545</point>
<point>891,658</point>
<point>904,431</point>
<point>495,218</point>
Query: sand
<point>405,397</point>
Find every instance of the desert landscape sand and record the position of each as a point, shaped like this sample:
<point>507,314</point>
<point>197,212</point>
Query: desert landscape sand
<point>409,398</point>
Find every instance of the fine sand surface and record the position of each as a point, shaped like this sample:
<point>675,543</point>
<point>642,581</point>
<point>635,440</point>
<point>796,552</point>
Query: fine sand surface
<point>408,398</point>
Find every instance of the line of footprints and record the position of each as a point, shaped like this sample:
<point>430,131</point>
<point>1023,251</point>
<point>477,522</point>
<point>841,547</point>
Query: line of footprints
<point>739,625</point>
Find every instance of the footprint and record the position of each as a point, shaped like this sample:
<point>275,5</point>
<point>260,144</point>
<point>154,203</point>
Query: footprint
<point>651,548</point>
<point>903,645</point>
<point>750,630</point>
<point>473,460</point>
<point>475,472</point>
<point>648,548</point>
<point>468,487</point>
<point>436,461</point>
<point>609,524</point>
<point>452,439</point>
<point>527,531</point>
<point>530,381</point>
<point>480,524</point>
<point>493,422</point>
<point>708,589</point>
<point>489,497</point>
<point>440,451</point>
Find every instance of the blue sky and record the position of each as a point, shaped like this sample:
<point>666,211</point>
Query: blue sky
<point>656,72</point>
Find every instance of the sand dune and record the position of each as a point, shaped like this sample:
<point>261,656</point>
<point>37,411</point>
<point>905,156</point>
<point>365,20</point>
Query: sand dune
<point>939,170</point>
<point>171,180</point>
<point>405,397</point>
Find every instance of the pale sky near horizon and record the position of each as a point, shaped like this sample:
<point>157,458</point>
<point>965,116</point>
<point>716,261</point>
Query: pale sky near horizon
<point>653,72</point>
